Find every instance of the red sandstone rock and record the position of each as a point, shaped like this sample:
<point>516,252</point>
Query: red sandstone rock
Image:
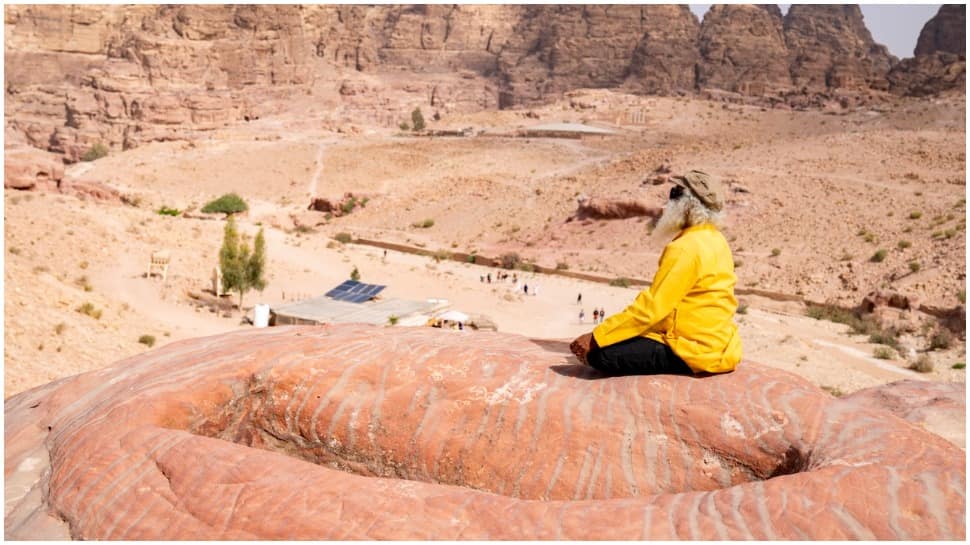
<point>946,31</point>
<point>743,49</point>
<point>360,432</point>
<point>830,47</point>
<point>940,407</point>
<point>30,168</point>
<point>599,208</point>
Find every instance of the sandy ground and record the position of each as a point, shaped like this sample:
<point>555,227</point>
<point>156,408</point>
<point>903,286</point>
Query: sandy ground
<point>811,182</point>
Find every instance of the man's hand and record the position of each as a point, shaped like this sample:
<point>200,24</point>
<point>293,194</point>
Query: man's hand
<point>580,347</point>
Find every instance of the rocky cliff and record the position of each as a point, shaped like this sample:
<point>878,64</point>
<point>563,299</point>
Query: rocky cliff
<point>128,74</point>
<point>743,49</point>
<point>829,46</point>
<point>946,31</point>
<point>940,61</point>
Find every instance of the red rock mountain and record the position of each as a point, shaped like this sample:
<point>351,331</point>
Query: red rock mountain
<point>946,31</point>
<point>128,74</point>
<point>940,63</point>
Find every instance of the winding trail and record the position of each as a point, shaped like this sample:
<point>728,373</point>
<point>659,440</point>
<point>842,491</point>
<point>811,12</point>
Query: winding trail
<point>312,190</point>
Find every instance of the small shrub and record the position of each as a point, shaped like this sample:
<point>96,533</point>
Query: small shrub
<point>526,266</point>
<point>470,258</point>
<point>349,206</point>
<point>147,340</point>
<point>883,353</point>
<point>14,250</point>
<point>428,223</point>
<point>441,255</point>
<point>166,211</point>
<point>903,244</point>
<point>404,126</point>
<point>738,263</point>
<point>562,266</point>
<point>962,296</point>
<point>83,264</point>
<point>228,204</point>
<point>846,256</point>
<point>960,365</point>
<point>915,215</point>
<point>942,339</point>
<point>343,238</point>
<point>59,328</point>
<point>417,119</point>
<point>775,252</point>
<point>887,337</point>
<point>392,319</point>
<point>834,390</point>
<point>355,274</point>
<point>923,364</point>
<point>304,229</point>
<point>89,310</point>
<point>879,256</point>
<point>82,282</point>
<point>95,152</point>
<point>743,308</point>
<point>510,260</point>
<point>870,237</point>
<point>620,282</point>
<point>914,266</point>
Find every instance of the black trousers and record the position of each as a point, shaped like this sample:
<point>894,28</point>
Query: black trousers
<point>636,356</point>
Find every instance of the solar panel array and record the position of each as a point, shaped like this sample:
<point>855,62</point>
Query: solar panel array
<point>353,291</point>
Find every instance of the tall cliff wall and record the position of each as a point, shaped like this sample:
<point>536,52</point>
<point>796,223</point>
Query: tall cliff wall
<point>128,74</point>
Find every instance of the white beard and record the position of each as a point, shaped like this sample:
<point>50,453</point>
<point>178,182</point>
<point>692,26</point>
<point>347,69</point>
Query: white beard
<point>673,219</point>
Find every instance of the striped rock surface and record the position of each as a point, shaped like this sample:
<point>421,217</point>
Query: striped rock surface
<point>361,432</point>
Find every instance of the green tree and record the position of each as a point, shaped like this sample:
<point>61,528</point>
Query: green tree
<point>242,269</point>
<point>355,274</point>
<point>417,120</point>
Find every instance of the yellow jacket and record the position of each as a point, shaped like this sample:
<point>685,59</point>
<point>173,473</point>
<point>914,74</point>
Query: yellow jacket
<point>690,306</point>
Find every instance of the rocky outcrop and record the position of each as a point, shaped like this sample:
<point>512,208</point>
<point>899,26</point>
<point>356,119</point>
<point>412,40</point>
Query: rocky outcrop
<point>742,49</point>
<point>666,56</point>
<point>361,432</point>
<point>945,32</point>
<point>829,46</point>
<point>123,75</point>
<point>29,168</point>
<point>613,209</point>
<point>940,407</point>
<point>940,62</point>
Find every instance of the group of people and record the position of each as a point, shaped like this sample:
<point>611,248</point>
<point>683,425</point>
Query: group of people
<point>598,315</point>
<point>501,275</point>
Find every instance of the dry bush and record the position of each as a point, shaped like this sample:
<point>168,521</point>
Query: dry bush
<point>923,364</point>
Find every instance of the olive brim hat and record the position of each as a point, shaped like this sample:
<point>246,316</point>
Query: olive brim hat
<point>704,187</point>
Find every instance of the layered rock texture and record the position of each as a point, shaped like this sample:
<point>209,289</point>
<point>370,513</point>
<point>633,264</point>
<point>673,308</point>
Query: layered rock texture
<point>940,61</point>
<point>128,74</point>
<point>359,432</point>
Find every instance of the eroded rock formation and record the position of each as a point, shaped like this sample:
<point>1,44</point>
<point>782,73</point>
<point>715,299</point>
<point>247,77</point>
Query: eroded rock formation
<point>946,32</point>
<point>830,47</point>
<point>123,75</point>
<point>940,63</point>
<point>600,208</point>
<point>361,432</point>
<point>742,49</point>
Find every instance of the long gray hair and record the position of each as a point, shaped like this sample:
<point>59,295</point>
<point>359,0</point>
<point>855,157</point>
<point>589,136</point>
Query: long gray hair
<point>683,212</point>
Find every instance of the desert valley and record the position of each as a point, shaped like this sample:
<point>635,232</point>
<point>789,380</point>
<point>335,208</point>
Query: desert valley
<point>840,199</point>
